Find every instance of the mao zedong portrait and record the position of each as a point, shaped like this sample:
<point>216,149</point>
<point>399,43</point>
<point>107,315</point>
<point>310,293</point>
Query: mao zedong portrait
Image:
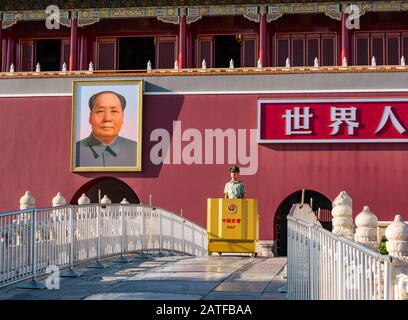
<point>104,147</point>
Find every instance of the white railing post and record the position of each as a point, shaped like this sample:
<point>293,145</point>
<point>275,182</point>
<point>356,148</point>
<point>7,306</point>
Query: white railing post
<point>160,230</point>
<point>339,271</point>
<point>172,234</point>
<point>141,255</point>
<point>143,232</point>
<point>182,234</point>
<point>203,235</point>
<point>193,246</point>
<point>121,258</point>
<point>33,284</point>
<point>387,280</point>
<point>98,264</point>
<point>310,264</point>
<point>71,273</point>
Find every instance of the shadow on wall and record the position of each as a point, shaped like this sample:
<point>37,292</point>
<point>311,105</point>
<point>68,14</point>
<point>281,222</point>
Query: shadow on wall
<point>114,188</point>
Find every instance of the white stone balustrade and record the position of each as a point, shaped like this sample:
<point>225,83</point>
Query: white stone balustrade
<point>397,236</point>
<point>27,201</point>
<point>342,216</point>
<point>366,228</point>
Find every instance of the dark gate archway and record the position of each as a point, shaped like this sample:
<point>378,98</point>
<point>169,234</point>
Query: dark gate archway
<point>114,188</point>
<point>281,229</point>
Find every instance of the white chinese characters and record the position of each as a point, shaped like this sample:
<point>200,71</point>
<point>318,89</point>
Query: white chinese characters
<point>300,121</point>
<point>388,114</point>
<point>343,115</point>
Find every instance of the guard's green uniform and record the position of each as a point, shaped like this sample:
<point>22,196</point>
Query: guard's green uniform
<point>234,189</point>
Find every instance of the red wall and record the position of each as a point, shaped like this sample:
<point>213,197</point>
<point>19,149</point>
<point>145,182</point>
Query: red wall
<point>36,142</point>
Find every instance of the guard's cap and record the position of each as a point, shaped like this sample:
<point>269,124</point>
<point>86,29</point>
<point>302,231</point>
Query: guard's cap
<point>234,169</point>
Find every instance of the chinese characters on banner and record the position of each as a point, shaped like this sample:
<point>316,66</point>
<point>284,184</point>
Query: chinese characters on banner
<point>332,121</point>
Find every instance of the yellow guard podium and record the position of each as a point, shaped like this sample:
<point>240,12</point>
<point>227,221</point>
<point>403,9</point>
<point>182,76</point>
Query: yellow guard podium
<point>232,225</point>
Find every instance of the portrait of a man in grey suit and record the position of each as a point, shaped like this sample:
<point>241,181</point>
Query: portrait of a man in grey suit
<point>104,147</point>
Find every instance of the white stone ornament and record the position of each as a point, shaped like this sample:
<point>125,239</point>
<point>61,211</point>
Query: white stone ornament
<point>397,236</point>
<point>176,65</point>
<point>12,69</point>
<point>342,216</point>
<point>344,63</point>
<point>106,200</point>
<point>84,200</point>
<point>124,201</point>
<point>58,200</point>
<point>38,68</point>
<point>316,62</point>
<point>204,64</point>
<point>27,201</point>
<point>64,67</point>
<point>373,62</point>
<point>231,64</point>
<point>287,62</point>
<point>90,67</point>
<point>259,64</point>
<point>402,61</point>
<point>366,231</point>
<point>149,66</point>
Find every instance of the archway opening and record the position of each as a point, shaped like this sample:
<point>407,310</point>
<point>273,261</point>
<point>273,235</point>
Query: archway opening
<point>319,201</point>
<point>114,188</point>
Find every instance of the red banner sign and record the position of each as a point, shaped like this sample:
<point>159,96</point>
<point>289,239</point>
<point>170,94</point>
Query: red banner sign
<point>309,121</point>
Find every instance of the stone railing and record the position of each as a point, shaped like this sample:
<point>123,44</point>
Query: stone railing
<point>368,231</point>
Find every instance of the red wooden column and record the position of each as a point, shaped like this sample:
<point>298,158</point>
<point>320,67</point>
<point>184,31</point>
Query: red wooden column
<point>10,51</point>
<point>345,38</point>
<point>182,57</point>
<point>262,40</point>
<point>190,53</point>
<point>74,44</point>
<point>82,50</point>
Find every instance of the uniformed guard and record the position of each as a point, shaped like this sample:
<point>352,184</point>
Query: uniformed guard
<point>234,189</point>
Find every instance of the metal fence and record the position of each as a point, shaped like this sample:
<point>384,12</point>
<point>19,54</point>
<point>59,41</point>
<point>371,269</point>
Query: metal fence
<point>323,266</point>
<point>32,240</point>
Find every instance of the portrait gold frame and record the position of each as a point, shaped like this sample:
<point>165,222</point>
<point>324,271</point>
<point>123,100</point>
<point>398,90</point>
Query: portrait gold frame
<point>138,166</point>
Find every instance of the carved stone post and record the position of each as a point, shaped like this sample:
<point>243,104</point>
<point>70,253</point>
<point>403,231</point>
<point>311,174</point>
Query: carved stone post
<point>58,200</point>
<point>366,232</point>
<point>84,200</point>
<point>342,216</point>
<point>106,200</point>
<point>397,236</point>
<point>27,201</point>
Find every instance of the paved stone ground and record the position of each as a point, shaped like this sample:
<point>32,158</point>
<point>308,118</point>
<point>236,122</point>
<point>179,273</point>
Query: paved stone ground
<point>169,278</point>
